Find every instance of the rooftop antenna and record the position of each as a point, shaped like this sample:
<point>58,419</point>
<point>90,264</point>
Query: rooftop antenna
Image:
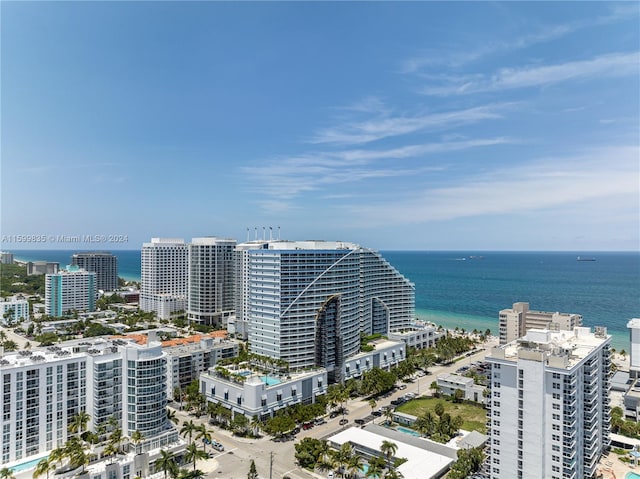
<point>264,233</point>
<point>256,235</point>
<point>247,234</point>
<point>270,233</point>
<point>278,233</point>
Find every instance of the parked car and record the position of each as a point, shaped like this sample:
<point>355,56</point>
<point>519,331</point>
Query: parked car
<point>377,413</point>
<point>343,421</point>
<point>307,425</point>
<point>217,446</point>
<point>359,422</point>
<point>319,420</point>
<point>402,386</point>
<point>334,414</point>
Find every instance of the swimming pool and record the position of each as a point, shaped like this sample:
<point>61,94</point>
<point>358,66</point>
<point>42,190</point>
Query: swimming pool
<point>269,381</point>
<point>406,430</point>
<point>632,475</point>
<point>27,465</point>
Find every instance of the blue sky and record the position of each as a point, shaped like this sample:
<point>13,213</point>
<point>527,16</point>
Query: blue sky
<point>417,125</point>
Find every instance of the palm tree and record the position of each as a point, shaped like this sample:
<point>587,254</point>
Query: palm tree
<point>372,404</point>
<point>388,449</point>
<point>79,422</point>
<point>376,465</point>
<point>193,454</point>
<point>171,416</point>
<point>166,462</point>
<point>256,425</point>
<point>44,467</point>
<point>188,428</point>
<point>5,472</point>
<point>393,474</point>
<point>354,465</point>
<point>136,438</point>
<point>56,455</point>
<point>204,434</point>
<point>388,415</point>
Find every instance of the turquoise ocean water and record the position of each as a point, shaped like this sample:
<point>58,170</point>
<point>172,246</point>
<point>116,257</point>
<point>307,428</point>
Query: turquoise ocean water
<point>467,289</point>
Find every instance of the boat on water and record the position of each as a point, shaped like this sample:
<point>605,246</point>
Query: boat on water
<point>581,258</point>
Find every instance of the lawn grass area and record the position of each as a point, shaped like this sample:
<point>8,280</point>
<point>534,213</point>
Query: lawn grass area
<point>474,415</point>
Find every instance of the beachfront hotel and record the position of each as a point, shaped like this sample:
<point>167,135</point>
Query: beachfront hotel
<point>516,321</point>
<point>210,292</point>
<point>548,412</point>
<point>73,289</point>
<point>306,302</point>
<point>103,264</point>
<point>164,276</point>
<point>43,389</point>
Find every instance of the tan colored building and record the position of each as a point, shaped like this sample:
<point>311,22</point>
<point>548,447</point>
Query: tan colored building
<point>515,322</point>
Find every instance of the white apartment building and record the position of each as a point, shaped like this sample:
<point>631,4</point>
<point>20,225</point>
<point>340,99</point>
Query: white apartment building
<point>306,302</point>
<point>262,395</point>
<point>418,335</point>
<point>515,322</point>
<point>634,347</point>
<point>548,412</point>
<point>6,257</point>
<point>386,355</point>
<point>69,290</point>
<point>185,362</point>
<point>164,276</point>
<point>211,280</point>
<point>104,264</point>
<point>13,309</point>
<point>450,383</point>
<point>43,389</point>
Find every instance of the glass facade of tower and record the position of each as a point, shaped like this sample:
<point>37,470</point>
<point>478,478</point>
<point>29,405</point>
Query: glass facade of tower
<point>289,288</point>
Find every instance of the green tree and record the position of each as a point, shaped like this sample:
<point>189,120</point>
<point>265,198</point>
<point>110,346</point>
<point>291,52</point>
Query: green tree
<point>240,424</point>
<point>79,422</point>
<point>44,466</point>
<point>188,428</point>
<point>376,466</point>
<point>253,472</point>
<point>171,416</point>
<point>388,450</point>
<point>6,473</point>
<point>192,454</point>
<point>166,462</point>
<point>203,433</point>
<point>136,438</point>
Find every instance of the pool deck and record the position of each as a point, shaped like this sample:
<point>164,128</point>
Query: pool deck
<point>611,467</point>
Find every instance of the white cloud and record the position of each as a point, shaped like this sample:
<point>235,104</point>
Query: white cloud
<point>549,183</point>
<point>613,65</point>
<point>288,178</point>
<point>352,133</point>
<point>544,34</point>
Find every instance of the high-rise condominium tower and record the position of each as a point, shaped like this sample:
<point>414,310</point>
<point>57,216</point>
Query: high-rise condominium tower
<point>105,265</point>
<point>307,302</point>
<point>73,289</point>
<point>548,409</point>
<point>211,280</point>
<point>164,276</point>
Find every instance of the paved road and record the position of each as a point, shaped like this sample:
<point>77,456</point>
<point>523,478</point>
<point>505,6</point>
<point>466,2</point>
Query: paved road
<point>21,341</point>
<point>274,460</point>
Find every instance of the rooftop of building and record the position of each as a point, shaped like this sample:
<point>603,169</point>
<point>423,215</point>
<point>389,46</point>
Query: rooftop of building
<point>561,349</point>
<point>634,323</point>
<point>175,342</point>
<point>424,459</point>
<point>299,245</point>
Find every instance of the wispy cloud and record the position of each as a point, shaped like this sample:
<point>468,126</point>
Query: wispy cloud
<point>613,65</point>
<point>547,33</point>
<point>370,130</point>
<point>283,179</point>
<point>539,185</point>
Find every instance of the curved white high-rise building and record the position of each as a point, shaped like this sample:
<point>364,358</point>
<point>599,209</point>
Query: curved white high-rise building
<point>307,302</point>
